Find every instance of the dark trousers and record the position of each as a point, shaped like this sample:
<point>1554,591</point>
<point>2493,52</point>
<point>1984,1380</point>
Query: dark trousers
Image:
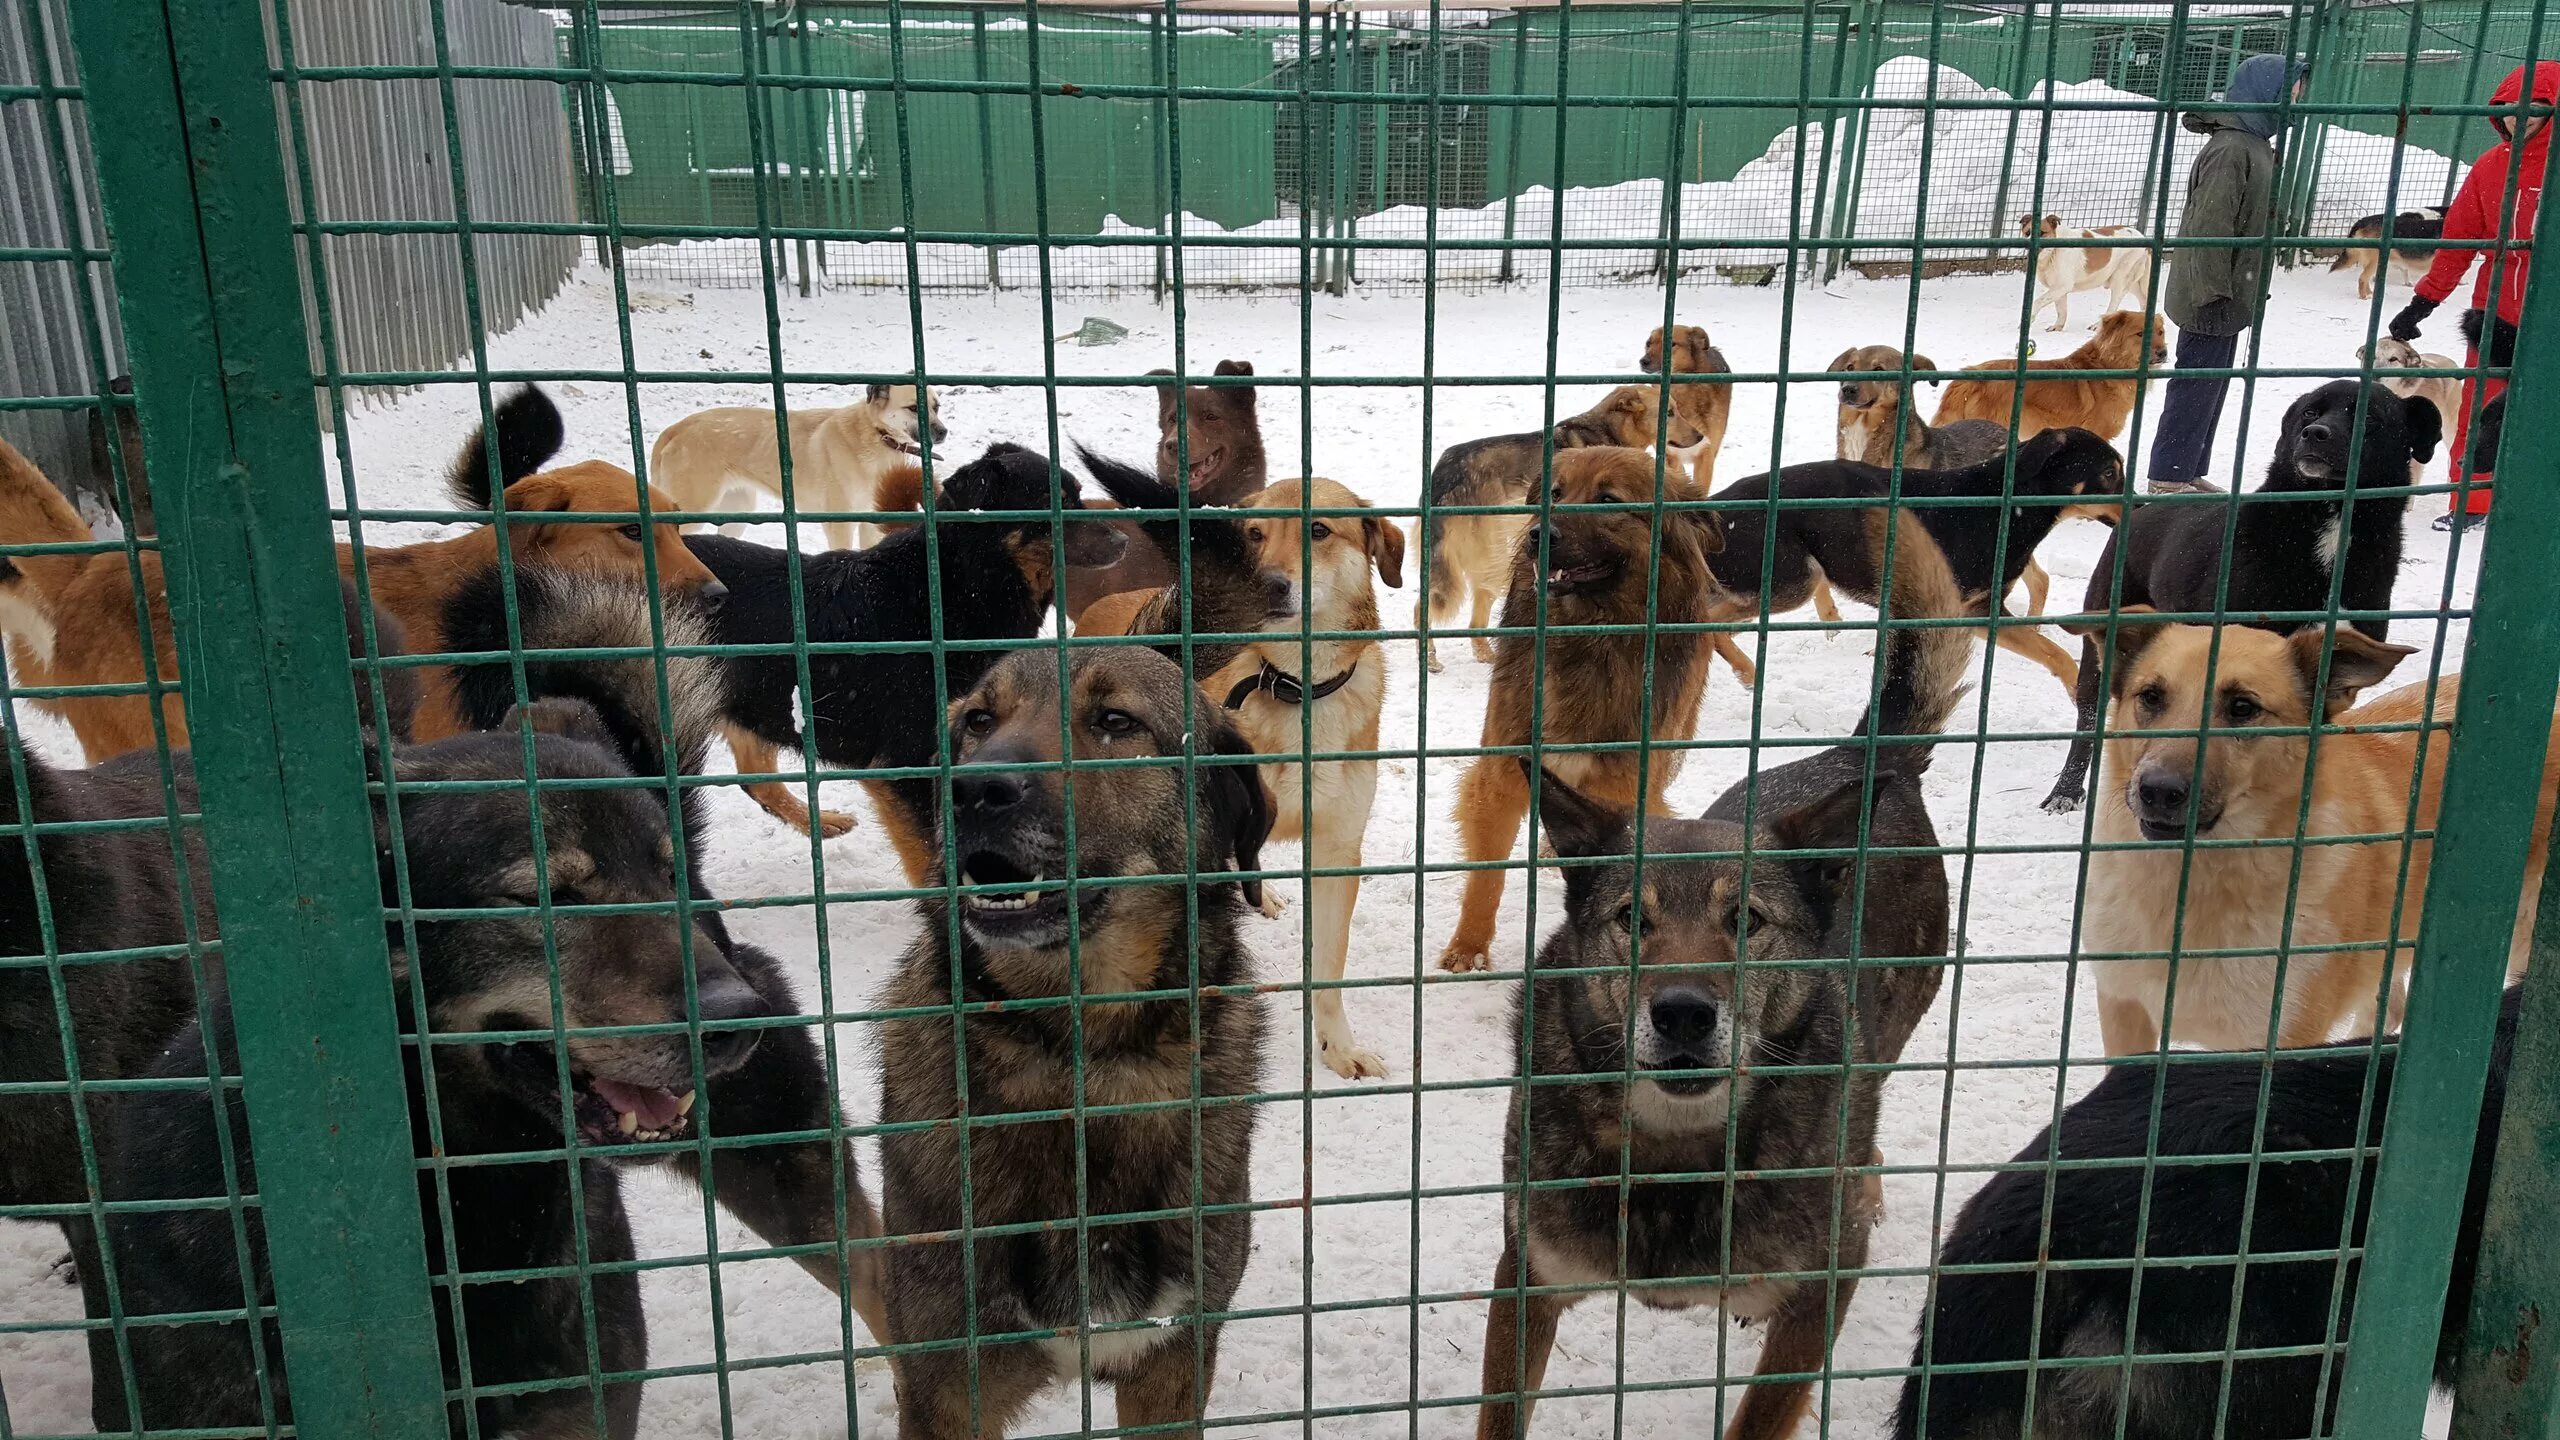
<point>2191,409</point>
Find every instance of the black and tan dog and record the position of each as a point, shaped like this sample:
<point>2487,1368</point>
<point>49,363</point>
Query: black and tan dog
<point>1678,983</point>
<point>1844,546</point>
<point>2291,542</point>
<point>885,708</point>
<point>1149,1282</point>
<point>473,849</point>
<point>2369,262</point>
<point>2133,1192</point>
<point>1468,557</point>
<point>1209,438</point>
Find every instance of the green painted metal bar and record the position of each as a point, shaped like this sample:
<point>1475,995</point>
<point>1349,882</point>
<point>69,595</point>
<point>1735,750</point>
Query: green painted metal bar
<point>193,186</point>
<point>2510,675</point>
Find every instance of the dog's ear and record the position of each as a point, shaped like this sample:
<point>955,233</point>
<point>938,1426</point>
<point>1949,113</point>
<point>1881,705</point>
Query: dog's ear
<point>973,486</point>
<point>1844,360</point>
<point>2053,224</point>
<point>1384,540</point>
<point>875,394</point>
<point>1094,544</point>
<point>1232,801</point>
<point>2424,425</point>
<point>1826,822</point>
<point>562,717</point>
<point>2136,627</point>
<point>1240,397</point>
<point>1168,395</point>
<point>1573,823</point>
<point>544,494</point>
<point>2357,661</point>
<point>1922,365</point>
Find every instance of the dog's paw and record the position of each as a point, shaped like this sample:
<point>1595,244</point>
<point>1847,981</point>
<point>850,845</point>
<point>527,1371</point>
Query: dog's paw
<point>1461,958</point>
<point>2062,802</point>
<point>64,1270</point>
<point>832,823</point>
<point>1484,650</point>
<point>1347,1059</point>
<point>1273,904</point>
<point>1431,662</point>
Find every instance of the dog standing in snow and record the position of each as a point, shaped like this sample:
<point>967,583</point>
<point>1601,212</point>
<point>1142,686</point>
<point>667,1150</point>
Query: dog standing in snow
<point>2122,268</point>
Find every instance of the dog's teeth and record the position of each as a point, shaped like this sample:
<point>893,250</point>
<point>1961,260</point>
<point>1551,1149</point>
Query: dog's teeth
<point>629,1123</point>
<point>1027,898</point>
<point>685,1105</point>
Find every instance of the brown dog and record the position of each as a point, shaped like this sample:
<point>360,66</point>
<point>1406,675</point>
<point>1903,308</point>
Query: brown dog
<point>2100,406</point>
<point>2248,786</point>
<point>88,599</point>
<point>1468,557</point>
<point>1219,428</point>
<point>1701,409</point>
<point>1593,684</point>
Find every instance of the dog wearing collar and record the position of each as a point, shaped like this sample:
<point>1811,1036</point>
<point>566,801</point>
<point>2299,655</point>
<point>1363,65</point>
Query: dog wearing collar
<point>1159,1009</point>
<point>1290,695</point>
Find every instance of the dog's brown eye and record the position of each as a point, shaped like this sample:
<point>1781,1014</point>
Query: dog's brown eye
<point>2151,697</point>
<point>2240,710</point>
<point>631,533</point>
<point>1117,724</point>
<point>1321,530</point>
<point>1633,921</point>
<point>1253,533</point>
<point>978,722</point>
<point>1752,916</point>
<point>1605,497</point>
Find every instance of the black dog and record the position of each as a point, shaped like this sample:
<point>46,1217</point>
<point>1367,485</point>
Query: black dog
<point>472,849</point>
<point>885,708</point>
<point>2315,1101</point>
<point>2285,551</point>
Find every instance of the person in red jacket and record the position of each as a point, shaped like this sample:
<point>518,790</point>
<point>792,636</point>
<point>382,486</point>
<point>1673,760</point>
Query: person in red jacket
<point>2525,151</point>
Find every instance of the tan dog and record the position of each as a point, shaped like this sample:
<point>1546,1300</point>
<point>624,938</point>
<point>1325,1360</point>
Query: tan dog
<point>723,458</point>
<point>1702,409</point>
<point>1294,697</point>
<point>1594,684</point>
<point>2251,787</point>
<point>2056,401</point>
<point>1468,557</point>
<point>2442,391</point>
<point>2123,271</point>
<point>88,599</point>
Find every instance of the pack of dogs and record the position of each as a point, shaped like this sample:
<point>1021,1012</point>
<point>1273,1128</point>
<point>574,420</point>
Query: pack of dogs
<point>1720,1000</point>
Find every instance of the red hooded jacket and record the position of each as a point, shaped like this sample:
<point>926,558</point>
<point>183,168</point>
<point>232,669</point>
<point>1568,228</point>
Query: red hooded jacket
<point>2474,213</point>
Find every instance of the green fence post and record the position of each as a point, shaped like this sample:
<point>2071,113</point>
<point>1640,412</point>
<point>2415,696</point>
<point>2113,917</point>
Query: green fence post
<point>1511,146</point>
<point>2511,670</point>
<point>193,186</point>
<point>986,147</point>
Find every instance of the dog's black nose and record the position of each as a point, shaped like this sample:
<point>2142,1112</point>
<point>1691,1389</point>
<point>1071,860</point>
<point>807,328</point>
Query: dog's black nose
<point>1684,1018</point>
<point>1848,394</point>
<point>974,788</point>
<point>2162,794</point>
<point>2318,432</point>
<point>724,996</point>
<point>1278,595</point>
<point>712,594</point>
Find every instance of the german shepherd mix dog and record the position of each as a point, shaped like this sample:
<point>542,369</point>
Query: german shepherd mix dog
<point>1208,438</point>
<point>2122,269</point>
<point>2407,265</point>
<point>1700,408</point>
<point>1009,828</point>
<point>724,458</point>
<point>1810,548</point>
<point>885,708</point>
<point>2314,1100</point>
<point>474,850</point>
<point>88,599</point>
<point>1702,1030</point>
<point>1468,557</point>
<point>1597,563</point>
<point>2054,400</point>
<point>2245,786</point>
<point>2285,550</point>
<point>1226,594</point>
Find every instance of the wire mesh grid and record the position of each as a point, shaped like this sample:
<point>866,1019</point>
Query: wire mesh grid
<point>570,977</point>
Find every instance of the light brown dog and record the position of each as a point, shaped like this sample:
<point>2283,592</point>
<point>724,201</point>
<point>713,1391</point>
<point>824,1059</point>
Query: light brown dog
<point>2122,270</point>
<point>88,599</point>
<point>1593,686</point>
<point>1468,557</point>
<point>724,457</point>
<point>1702,409</point>
<point>2251,786</point>
<point>1289,696</point>
<point>2442,391</point>
<point>2055,400</point>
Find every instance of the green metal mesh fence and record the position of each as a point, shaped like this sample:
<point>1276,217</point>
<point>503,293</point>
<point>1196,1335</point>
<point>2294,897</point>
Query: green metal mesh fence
<point>544,1071</point>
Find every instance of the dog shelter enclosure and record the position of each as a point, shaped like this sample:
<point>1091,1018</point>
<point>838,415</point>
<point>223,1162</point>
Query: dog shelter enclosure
<point>322,243</point>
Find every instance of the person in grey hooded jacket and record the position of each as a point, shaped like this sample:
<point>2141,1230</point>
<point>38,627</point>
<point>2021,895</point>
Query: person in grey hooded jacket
<point>2214,291</point>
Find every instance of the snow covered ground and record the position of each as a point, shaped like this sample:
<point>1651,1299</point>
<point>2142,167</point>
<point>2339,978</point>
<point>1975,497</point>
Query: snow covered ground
<point>1354,1139</point>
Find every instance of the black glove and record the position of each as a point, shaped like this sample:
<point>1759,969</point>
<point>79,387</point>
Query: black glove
<point>2404,326</point>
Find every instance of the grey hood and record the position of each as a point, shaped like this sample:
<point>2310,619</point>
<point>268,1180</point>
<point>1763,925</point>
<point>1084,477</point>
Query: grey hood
<point>2259,80</point>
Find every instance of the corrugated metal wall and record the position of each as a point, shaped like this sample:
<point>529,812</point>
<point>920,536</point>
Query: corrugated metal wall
<point>376,150</point>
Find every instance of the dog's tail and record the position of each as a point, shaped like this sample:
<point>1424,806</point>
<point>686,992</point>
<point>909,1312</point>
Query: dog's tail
<point>529,433</point>
<point>32,510</point>
<point>1925,665</point>
<point>2498,347</point>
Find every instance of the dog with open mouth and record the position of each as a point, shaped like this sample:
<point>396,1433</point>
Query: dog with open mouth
<point>632,1097</point>
<point>1674,1024</point>
<point>1158,1022</point>
<point>1599,546</point>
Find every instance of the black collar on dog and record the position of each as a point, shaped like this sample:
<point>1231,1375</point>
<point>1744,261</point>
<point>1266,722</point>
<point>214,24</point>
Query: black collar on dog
<point>1284,687</point>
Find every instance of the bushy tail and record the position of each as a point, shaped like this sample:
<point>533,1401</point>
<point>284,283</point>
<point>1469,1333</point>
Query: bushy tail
<point>529,433</point>
<point>32,510</point>
<point>1926,665</point>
